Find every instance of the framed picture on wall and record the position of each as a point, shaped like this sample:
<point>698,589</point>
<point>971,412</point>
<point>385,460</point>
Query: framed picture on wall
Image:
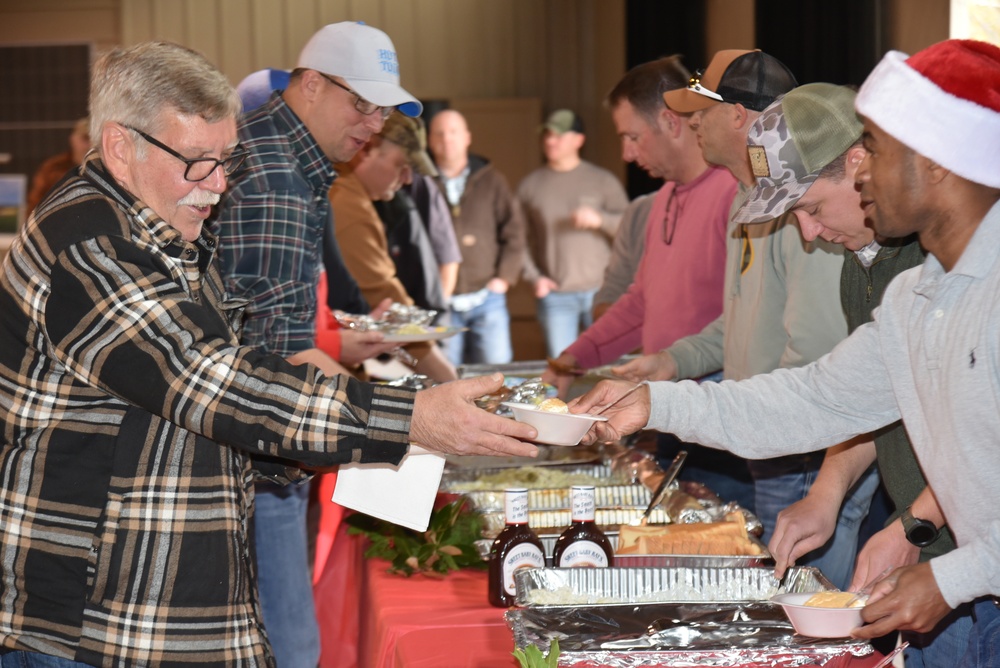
<point>13,191</point>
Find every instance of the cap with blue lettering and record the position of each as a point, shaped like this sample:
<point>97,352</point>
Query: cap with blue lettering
<point>365,58</point>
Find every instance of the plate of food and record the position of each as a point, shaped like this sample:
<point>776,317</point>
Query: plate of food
<point>555,424</point>
<point>413,333</point>
<point>823,614</point>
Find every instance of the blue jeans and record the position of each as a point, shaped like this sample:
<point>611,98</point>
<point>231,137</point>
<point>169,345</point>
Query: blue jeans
<point>780,482</point>
<point>488,338</point>
<point>942,646</point>
<point>563,316</point>
<point>983,648</point>
<point>21,659</point>
<point>283,579</point>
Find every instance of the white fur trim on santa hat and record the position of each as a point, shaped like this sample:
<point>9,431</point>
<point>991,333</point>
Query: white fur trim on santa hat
<point>957,134</point>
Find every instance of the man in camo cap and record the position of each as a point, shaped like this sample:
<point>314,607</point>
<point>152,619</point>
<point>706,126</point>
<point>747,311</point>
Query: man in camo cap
<point>806,149</point>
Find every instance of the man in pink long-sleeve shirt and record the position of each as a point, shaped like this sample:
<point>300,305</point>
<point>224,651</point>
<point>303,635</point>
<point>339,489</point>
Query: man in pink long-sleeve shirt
<point>678,287</point>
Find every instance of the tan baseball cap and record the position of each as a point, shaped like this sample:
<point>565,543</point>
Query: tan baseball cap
<point>751,78</point>
<point>410,135</point>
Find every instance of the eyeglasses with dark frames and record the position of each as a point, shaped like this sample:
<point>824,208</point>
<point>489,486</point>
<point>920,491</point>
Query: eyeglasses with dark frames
<point>199,169</point>
<point>363,106</point>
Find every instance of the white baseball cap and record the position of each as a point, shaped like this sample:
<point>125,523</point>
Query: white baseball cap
<point>365,58</point>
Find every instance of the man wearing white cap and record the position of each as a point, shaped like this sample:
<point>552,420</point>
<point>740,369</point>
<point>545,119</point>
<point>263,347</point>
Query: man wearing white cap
<point>930,357</point>
<point>271,224</point>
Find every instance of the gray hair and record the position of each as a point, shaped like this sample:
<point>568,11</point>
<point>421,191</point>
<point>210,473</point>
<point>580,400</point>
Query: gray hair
<point>135,85</point>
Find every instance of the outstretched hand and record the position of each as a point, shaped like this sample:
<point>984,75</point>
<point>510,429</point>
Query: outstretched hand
<point>447,420</point>
<point>625,417</point>
<point>658,366</point>
<point>886,549</point>
<point>908,599</point>
<point>356,346</point>
<point>801,528</point>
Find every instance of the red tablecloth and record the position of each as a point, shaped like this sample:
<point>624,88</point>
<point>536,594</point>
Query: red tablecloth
<point>370,619</point>
<point>374,620</point>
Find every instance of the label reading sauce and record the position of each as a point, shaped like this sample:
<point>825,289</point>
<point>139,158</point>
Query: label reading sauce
<point>524,555</point>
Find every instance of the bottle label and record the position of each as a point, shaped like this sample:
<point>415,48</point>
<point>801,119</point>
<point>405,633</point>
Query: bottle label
<point>525,555</point>
<point>516,506</point>
<point>583,504</point>
<point>583,554</point>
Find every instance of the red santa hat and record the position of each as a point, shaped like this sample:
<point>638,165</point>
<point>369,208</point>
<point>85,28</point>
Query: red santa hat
<point>942,102</point>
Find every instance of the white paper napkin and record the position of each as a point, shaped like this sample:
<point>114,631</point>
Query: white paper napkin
<point>403,495</point>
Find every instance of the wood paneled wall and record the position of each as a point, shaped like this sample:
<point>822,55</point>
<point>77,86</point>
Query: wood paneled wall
<point>565,53</point>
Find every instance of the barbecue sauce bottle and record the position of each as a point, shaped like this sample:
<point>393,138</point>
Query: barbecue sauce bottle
<point>516,547</point>
<point>583,545</point>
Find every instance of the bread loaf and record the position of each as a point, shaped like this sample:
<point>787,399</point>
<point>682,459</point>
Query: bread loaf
<point>706,538</point>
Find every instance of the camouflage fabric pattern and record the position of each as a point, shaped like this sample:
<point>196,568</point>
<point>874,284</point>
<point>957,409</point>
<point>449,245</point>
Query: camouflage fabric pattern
<point>782,177</point>
<point>792,141</point>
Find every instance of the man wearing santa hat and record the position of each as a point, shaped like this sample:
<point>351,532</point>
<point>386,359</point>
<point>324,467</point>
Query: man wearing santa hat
<point>931,356</point>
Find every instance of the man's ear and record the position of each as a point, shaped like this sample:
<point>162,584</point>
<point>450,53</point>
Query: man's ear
<point>671,123</point>
<point>935,172</point>
<point>117,150</point>
<point>855,156</point>
<point>309,83</point>
<point>739,115</point>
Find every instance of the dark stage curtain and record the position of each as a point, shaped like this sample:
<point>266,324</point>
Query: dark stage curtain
<point>837,42</point>
<point>657,28</point>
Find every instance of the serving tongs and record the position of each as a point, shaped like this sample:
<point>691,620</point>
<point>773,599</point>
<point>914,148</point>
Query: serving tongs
<point>661,489</point>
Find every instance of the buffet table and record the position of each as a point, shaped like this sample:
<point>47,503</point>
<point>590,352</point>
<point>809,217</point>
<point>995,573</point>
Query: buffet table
<point>374,620</point>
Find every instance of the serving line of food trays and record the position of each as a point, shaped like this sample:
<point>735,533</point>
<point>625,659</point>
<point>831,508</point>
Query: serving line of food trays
<point>677,616</point>
<point>617,502</point>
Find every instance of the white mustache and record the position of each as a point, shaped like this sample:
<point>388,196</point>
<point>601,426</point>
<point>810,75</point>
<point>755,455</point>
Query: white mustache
<point>202,198</point>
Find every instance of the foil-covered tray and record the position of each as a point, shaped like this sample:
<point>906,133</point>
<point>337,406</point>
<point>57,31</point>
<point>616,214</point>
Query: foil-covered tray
<point>497,479</point>
<point>546,522</point>
<point>549,535</point>
<point>675,634</point>
<point>617,585</point>
<point>635,497</point>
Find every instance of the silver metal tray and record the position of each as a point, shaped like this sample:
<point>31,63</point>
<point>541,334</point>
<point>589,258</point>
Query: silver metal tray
<point>468,480</point>
<point>674,634</point>
<point>617,585</point>
<point>635,497</point>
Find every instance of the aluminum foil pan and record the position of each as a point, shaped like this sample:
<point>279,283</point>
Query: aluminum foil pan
<point>395,317</point>
<point>675,634</point>
<point>498,479</point>
<point>593,586</point>
<point>635,497</point>
<point>553,522</point>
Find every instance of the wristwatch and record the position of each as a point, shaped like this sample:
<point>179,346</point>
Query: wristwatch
<point>918,531</point>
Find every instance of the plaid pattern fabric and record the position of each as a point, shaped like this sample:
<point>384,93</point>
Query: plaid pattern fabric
<point>271,225</point>
<point>129,418</point>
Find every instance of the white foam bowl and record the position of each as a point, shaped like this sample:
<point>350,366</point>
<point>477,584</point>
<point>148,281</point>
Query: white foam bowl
<point>555,428</point>
<point>818,622</point>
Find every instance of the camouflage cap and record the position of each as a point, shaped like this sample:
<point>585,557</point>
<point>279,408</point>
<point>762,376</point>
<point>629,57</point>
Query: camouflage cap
<point>790,144</point>
<point>410,135</point>
<point>562,121</point>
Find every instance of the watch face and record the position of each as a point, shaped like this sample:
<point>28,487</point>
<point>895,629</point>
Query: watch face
<point>922,533</point>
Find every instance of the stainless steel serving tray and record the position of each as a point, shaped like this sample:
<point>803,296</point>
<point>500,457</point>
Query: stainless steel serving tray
<point>705,584</point>
<point>674,634</point>
<point>605,496</point>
